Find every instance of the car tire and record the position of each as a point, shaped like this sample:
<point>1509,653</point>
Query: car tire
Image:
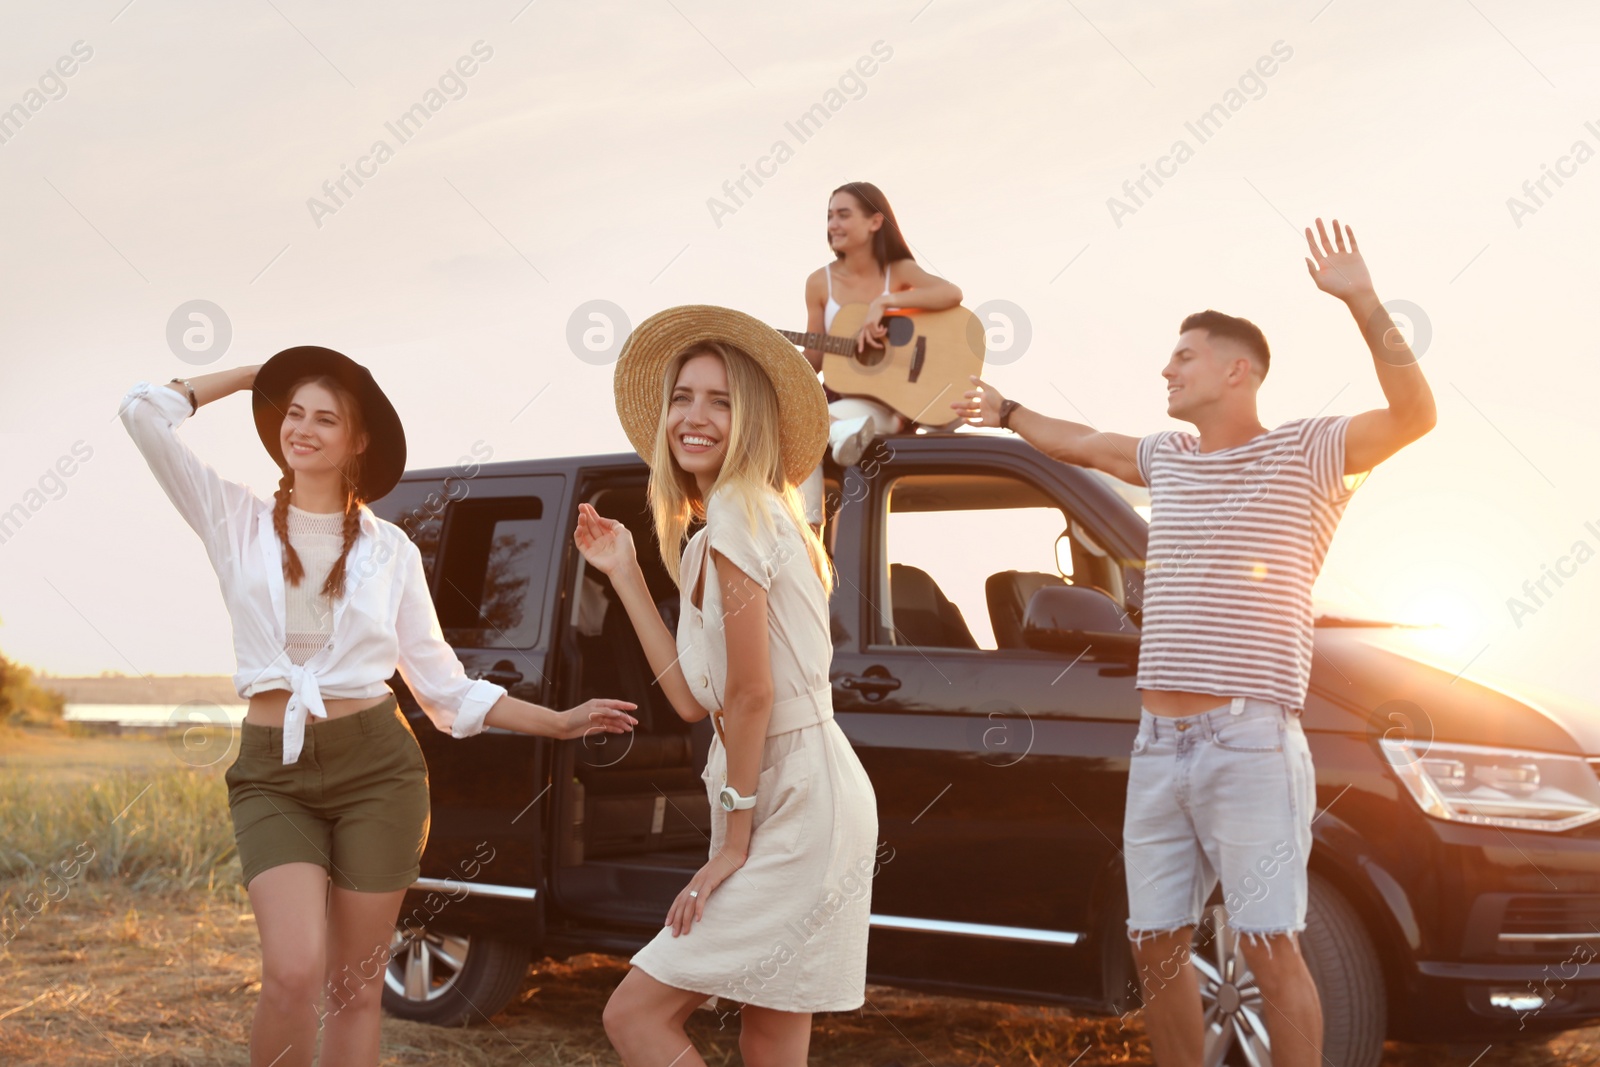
<point>1343,964</point>
<point>450,979</point>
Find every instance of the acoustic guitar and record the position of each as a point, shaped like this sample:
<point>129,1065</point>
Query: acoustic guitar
<point>921,369</point>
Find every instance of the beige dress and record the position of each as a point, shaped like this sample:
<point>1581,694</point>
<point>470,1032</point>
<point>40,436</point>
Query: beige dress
<point>788,930</point>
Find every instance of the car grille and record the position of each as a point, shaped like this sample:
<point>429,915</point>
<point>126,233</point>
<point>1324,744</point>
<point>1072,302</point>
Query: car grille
<point>1552,925</point>
<point>1532,926</point>
<point>1551,920</point>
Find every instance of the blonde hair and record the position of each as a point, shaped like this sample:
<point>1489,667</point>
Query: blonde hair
<point>752,464</point>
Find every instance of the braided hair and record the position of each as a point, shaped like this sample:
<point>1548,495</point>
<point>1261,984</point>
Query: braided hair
<point>293,569</point>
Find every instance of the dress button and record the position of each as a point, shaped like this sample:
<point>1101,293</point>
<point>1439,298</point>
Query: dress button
<point>705,683</point>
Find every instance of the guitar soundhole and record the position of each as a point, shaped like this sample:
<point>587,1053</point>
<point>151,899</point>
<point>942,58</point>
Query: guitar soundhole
<point>901,330</point>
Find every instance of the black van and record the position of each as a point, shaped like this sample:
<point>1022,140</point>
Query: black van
<point>1455,890</point>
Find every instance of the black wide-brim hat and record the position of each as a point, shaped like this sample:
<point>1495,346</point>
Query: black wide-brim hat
<point>383,462</point>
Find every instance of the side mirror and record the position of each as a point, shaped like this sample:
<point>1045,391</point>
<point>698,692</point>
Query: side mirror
<point>1064,555</point>
<point>1071,618</point>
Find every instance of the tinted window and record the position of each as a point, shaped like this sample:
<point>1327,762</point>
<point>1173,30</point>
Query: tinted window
<point>418,507</point>
<point>489,589</point>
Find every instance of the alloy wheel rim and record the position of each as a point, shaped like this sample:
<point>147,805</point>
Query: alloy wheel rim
<point>424,966</point>
<point>1233,1007</point>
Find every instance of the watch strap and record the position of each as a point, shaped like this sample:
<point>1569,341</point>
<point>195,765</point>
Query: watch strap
<point>740,802</point>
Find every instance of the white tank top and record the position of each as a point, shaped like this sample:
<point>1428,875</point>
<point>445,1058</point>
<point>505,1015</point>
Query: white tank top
<point>317,539</point>
<point>832,307</point>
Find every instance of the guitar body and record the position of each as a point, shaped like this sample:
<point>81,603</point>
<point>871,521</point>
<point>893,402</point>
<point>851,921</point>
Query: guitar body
<point>922,368</point>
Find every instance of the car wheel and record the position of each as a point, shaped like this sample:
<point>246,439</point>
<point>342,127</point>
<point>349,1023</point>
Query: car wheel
<point>450,979</point>
<point>1343,964</point>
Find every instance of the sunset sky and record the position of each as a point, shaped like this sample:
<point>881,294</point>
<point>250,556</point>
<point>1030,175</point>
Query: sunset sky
<point>585,158</point>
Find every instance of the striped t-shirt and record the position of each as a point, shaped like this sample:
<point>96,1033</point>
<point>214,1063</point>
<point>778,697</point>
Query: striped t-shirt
<point>1237,537</point>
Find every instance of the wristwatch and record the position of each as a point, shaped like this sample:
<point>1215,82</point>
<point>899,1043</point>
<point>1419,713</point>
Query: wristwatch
<point>193,407</point>
<point>1006,408</point>
<point>730,799</point>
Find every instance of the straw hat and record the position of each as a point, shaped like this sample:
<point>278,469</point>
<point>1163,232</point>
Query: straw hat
<point>802,408</point>
<point>384,460</point>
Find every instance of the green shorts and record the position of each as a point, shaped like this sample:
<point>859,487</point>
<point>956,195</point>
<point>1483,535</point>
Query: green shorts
<point>355,803</point>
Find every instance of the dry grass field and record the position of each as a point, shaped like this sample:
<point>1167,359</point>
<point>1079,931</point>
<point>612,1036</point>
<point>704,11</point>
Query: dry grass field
<point>147,953</point>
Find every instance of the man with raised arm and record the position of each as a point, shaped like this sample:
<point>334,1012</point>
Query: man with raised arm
<point>1220,782</point>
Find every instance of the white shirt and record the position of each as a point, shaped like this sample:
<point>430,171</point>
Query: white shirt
<point>392,624</point>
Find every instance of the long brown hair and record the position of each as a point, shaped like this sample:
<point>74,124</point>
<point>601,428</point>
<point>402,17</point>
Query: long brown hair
<point>751,467</point>
<point>350,408</point>
<point>888,243</point>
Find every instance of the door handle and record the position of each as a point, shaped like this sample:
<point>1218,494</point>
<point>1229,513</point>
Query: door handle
<point>870,686</point>
<point>503,673</point>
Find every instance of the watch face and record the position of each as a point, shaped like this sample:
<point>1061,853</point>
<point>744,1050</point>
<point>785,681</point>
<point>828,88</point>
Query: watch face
<point>726,799</point>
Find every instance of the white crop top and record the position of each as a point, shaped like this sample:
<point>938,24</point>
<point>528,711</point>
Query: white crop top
<point>318,538</point>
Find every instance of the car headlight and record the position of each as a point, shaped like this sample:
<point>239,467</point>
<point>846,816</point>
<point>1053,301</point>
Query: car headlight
<point>1496,786</point>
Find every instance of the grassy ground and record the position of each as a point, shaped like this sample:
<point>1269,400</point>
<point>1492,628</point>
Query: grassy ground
<point>143,949</point>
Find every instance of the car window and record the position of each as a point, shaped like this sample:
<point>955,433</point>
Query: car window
<point>962,553</point>
<point>418,507</point>
<point>487,594</point>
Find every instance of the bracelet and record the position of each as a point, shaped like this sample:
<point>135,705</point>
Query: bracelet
<point>193,407</point>
<point>1006,408</point>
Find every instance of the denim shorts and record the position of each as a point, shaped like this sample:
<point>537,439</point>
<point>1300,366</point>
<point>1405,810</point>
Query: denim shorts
<point>1226,794</point>
<point>355,803</point>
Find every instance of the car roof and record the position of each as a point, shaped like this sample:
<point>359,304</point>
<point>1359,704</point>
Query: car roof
<point>558,464</point>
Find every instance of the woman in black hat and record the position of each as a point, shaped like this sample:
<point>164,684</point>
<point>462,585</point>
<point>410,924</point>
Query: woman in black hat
<point>327,601</point>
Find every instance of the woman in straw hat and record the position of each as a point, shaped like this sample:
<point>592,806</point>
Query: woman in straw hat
<point>326,600</point>
<point>730,417</point>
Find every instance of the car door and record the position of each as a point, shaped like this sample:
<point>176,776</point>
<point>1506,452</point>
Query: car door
<point>999,770</point>
<point>488,547</point>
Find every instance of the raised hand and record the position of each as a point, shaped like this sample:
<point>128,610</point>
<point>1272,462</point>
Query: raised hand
<point>605,543</point>
<point>1338,271</point>
<point>980,405</point>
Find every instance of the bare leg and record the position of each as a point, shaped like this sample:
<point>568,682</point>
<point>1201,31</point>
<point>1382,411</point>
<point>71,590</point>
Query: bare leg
<point>360,927</point>
<point>644,1020</point>
<point>1293,1009</point>
<point>288,902</point>
<point>1172,1015</point>
<point>771,1038</point>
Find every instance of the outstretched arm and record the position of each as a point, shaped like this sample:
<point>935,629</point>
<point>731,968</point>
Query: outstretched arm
<point>1373,436</point>
<point>463,706</point>
<point>1069,442</point>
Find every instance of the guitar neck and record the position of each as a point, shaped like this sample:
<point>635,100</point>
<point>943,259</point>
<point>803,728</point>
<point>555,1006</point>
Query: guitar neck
<point>844,346</point>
